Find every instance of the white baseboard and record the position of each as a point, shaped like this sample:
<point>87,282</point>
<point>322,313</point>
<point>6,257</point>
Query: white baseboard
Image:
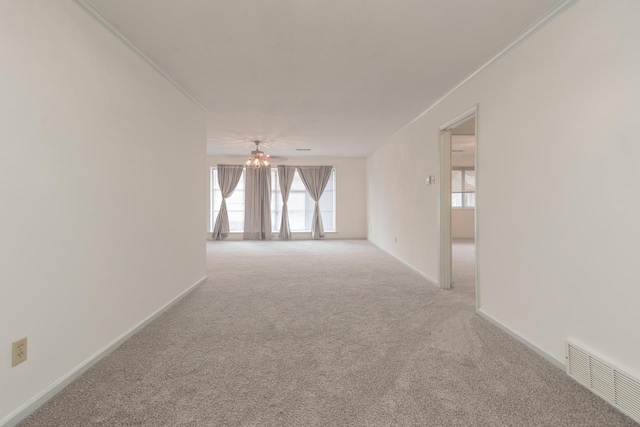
<point>557,363</point>
<point>420,273</point>
<point>39,399</point>
<point>296,235</point>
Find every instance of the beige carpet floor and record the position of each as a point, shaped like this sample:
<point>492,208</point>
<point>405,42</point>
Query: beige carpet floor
<point>323,333</point>
<point>463,267</point>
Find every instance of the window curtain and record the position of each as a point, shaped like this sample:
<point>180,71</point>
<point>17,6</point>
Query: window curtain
<point>315,179</point>
<point>257,204</point>
<point>285,178</point>
<point>228,178</point>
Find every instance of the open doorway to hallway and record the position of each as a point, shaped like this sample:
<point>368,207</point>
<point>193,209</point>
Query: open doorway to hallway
<point>457,205</point>
<point>463,204</point>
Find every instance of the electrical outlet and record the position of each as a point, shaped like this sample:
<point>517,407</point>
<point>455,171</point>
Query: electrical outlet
<point>18,351</point>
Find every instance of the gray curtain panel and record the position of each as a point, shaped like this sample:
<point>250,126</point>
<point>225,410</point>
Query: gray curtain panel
<point>228,177</point>
<point>315,179</point>
<point>285,178</point>
<point>257,204</point>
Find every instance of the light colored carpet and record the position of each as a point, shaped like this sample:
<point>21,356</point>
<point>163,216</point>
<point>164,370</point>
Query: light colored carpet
<point>328,333</point>
<point>463,267</point>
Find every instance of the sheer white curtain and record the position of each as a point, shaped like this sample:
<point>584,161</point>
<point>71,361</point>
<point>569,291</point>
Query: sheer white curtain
<point>228,177</point>
<point>285,178</point>
<point>257,204</point>
<point>315,179</point>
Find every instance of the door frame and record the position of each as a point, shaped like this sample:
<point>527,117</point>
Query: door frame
<point>444,201</point>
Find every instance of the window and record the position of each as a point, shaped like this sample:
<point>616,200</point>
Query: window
<point>300,204</point>
<point>235,203</point>
<point>463,187</point>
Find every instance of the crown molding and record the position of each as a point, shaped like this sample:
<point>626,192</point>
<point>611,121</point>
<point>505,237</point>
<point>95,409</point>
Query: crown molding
<point>113,28</point>
<point>533,28</point>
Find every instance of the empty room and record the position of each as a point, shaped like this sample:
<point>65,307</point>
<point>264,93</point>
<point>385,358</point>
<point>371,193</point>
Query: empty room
<point>319,213</point>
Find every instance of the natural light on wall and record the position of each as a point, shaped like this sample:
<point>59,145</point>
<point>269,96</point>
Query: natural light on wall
<point>300,204</point>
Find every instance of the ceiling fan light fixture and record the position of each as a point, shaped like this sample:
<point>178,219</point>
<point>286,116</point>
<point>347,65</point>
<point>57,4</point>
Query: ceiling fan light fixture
<point>257,159</point>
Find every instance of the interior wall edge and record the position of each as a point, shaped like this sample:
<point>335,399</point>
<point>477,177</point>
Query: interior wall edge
<point>406,264</point>
<point>533,28</point>
<point>94,12</point>
<point>550,243</point>
<point>531,345</point>
<point>30,406</point>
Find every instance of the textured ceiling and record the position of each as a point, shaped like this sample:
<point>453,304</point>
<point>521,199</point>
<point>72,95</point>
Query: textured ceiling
<point>339,77</point>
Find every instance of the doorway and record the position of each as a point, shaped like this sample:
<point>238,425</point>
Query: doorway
<point>457,213</point>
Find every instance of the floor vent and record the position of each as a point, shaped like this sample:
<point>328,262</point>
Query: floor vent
<point>604,379</point>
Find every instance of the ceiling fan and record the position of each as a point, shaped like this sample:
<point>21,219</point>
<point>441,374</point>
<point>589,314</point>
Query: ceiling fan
<point>259,159</point>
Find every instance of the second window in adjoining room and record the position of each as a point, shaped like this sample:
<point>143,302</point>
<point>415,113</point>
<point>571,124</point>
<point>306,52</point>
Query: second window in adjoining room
<point>463,187</point>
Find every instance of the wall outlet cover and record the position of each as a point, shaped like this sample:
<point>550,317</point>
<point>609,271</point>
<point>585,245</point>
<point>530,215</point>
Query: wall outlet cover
<point>18,351</point>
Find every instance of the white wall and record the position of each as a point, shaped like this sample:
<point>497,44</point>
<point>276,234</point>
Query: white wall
<point>101,177</point>
<point>462,223</point>
<point>350,193</point>
<point>468,160</point>
<point>557,175</point>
